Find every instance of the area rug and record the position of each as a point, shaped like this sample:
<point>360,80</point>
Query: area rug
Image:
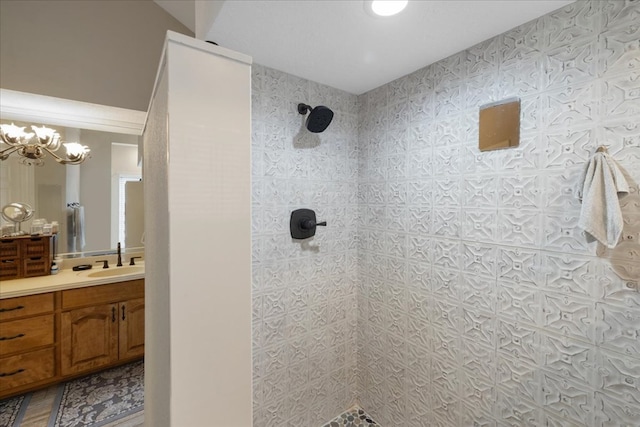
<point>100,398</point>
<point>12,410</point>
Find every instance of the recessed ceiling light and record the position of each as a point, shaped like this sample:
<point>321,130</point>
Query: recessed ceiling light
<point>385,7</point>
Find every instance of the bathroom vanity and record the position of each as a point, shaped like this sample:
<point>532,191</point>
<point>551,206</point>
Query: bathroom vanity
<point>53,328</point>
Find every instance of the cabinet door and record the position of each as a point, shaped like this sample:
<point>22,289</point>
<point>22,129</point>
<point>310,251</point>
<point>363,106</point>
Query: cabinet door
<point>89,338</point>
<point>132,328</point>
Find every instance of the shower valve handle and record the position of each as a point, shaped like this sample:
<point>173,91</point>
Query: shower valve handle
<point>310,224</point>
<point>303,224</point>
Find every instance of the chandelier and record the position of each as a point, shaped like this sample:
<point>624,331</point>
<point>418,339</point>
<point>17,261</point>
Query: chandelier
<point>34,146</point>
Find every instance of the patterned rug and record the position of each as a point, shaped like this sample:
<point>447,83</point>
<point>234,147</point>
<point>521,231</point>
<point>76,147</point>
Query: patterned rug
<point>100,398</point>
<point>12,410</point>
<point>352,418</point>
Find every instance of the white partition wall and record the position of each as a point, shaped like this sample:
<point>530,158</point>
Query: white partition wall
<point>198,238</point>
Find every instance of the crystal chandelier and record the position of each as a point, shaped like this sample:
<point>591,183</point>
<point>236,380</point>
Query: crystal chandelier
<point>34,146</point>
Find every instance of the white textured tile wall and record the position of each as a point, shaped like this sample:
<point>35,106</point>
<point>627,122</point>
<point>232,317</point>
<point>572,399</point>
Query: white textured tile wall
<point>480,302</point>
<point>304,295</point>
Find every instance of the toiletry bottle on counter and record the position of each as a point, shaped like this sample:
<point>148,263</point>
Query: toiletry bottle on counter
<point>37,226</point>
<point>55,265</point>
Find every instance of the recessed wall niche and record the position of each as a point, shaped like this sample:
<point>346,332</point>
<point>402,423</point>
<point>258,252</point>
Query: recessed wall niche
<point>499,125</point>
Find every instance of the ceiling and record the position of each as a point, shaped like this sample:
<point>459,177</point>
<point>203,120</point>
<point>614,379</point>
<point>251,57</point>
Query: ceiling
<point>335,42</point>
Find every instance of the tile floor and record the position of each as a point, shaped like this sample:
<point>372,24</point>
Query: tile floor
<point>354,417</point>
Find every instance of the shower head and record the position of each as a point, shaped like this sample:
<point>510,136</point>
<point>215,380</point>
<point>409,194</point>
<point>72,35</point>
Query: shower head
<point>319,117</point>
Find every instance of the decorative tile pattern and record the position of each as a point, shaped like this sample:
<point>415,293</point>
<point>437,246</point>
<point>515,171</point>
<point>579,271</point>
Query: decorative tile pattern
<point>575,22</point>
<point>452,287</point>
<point>489,303</point>
<point>304,292</point>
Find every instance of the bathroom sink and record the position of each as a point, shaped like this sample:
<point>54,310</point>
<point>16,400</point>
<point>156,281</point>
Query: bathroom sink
<point>117,271</point>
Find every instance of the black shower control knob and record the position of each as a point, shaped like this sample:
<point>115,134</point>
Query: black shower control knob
<point>303,223</point>
<point>307,224</point>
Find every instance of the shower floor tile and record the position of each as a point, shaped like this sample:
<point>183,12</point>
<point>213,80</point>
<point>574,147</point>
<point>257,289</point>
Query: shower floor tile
<point>352,418</point>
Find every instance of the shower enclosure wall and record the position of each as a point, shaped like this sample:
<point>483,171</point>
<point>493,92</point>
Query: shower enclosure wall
<point>453,288</point>
<point>480,301</point>
<point>304,292</point>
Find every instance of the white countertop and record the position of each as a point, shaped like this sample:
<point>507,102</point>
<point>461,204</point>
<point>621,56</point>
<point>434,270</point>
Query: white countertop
<point>65,279</point>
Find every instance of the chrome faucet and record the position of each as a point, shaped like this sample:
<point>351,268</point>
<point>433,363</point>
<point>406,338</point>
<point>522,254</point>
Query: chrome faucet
<point>119,264</point>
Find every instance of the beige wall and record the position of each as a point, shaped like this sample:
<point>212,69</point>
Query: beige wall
<point>104,52</point>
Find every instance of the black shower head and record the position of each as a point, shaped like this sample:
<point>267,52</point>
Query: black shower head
<point>319,117</point>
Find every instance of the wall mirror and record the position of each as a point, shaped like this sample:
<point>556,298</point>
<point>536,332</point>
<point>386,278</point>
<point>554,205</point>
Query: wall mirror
<point>97,203</point>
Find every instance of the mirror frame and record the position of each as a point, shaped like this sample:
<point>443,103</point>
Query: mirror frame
<point>23,106</point>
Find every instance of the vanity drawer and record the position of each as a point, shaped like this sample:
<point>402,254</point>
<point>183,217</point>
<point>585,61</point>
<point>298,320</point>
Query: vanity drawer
<point>103,294</point>
<point>25,334</point>
<point>26,368</point>
<point>9,248</point>
<point>10,269</point>
<point>13,308</point>
<point>35,247</point>
<point>36,267</point>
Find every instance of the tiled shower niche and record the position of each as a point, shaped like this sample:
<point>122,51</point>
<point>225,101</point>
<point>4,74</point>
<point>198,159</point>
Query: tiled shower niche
<point>453,287</point>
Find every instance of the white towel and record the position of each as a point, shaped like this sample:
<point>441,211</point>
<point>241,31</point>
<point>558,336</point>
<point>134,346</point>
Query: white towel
<point>75,234</point>
<point>599,187</point>
<point>79,232</point>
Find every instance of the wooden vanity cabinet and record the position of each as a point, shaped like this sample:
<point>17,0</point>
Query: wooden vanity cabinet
<point>27,341</point>
<point>48,338</point>
<point>107,328</point>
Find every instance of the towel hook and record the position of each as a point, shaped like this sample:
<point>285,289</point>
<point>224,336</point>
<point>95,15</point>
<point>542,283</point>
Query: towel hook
<point>602,149</point>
